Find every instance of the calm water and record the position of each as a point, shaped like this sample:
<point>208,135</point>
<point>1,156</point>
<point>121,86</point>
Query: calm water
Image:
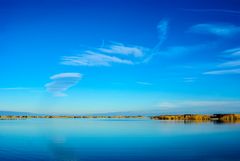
<point>117,140</point>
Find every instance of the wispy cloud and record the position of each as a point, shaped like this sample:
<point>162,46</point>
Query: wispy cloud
<point>90,58</point>
<point>162,28</point>
<point>15,88</point>
<point>219,104</point>
<point>223,30</point>
<point>234,12</point>
<point>118,53</point>
<point>232,63</point>
<point>234,52</point>
<point>189,79</point>
<point>62,82</point>
<point>144,83</point>
<point>222,72</point>
<point>108,55</point>
<point>119,48</point>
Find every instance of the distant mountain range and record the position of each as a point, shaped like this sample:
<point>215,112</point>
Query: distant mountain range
<point>130,113</point>
<point>123,113</point>
<point>15,113</point>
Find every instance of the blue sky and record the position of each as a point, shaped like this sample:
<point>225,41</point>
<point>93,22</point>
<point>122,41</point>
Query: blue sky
<point>73,56</point>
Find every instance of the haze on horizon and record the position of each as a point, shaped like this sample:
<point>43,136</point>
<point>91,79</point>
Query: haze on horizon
<point>73,56</point>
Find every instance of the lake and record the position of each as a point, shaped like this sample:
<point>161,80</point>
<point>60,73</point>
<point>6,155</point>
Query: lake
<point>117,140</point>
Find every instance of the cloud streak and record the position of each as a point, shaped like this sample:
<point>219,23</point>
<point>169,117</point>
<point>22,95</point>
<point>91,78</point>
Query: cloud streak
<point>223,72</point>
<point>234,12</point>
<point>200,105</point>
<point>115,53</point>
<point>162,31</point>
<point>189,79</point>
<point>15,88</point>
<point>121,49</point>
<point>118,53</point>
<point>235,52</point>
<point>144,83</point>
<point>223,30</point>
<point>228,66</point>
<point>232,63</point>
<point>162,35</point>
<point>90,58</point>
<point>62,82</point>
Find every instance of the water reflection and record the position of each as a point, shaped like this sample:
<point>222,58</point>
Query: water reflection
<point>212,121</point>
<point>209,121</point>
<point>125,140</point>
<point>61,152</point>
<point>227,121</point>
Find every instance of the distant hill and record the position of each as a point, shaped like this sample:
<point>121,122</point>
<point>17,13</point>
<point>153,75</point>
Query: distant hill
<point>130,113</point>
<point>120,113</point>
<point>15,113</point>
<point>152,112</point>
<point>123,113</point>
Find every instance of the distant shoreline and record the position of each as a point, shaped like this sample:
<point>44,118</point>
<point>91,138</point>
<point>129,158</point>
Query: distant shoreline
<point>183,117</point>
<point>8,117</point>
<point>200,118</point>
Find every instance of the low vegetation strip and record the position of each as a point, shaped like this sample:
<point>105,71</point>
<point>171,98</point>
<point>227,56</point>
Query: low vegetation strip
<point>54,116</point>
<point>197,117</point>
<point>186,117</point>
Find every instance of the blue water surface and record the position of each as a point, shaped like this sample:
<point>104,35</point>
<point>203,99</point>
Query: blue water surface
<point>117,140</point>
